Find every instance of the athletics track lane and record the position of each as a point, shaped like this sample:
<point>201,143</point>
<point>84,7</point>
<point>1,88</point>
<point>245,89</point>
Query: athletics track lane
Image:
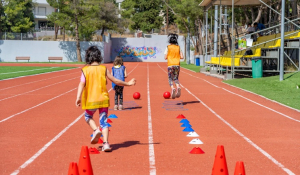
<point>128,137</point>
<point>274,133</point>
<point>171,145</point>
<point>25,133</point>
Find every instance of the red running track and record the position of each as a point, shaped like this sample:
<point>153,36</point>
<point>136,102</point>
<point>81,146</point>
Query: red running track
<point>43,137</point>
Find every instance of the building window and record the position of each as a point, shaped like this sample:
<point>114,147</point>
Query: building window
<point>42,11</point>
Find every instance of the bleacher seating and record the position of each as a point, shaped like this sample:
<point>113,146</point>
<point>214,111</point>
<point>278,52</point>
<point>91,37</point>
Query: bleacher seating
<point>226,58</point>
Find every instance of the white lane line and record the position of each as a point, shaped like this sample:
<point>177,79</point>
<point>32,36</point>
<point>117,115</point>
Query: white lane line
<point>29,161</point>
<point>36,105</point>
<point>38,89</point>
<point>242,135</point>
<point>263,97</point>
<point>284,115</point>
<point>262,106</point>
<point>150,133</point>
<point>39,74</point>
<point>202,79</point>
<point>36,155</point>
<point>36,81</point>
<point>29,70</point>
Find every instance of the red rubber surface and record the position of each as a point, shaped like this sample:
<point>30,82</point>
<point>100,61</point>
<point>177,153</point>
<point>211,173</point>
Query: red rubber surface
<point>25,134</point>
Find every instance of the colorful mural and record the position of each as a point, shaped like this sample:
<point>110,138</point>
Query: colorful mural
<point>137,52</point>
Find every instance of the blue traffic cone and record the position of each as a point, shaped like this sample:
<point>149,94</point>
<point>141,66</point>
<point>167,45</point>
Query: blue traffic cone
<point>188,129</point>
<point>184,121</point>
<point>112,116</point>
<point>108,125</point>
<point>186,125</point>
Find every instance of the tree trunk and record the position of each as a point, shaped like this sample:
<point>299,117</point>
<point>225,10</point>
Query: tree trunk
<point>252,14</point>
<point>259,14</point>
<point>246,16</point>
<point>228,39</point>
<point>77,39</point>
<point>102,32</point>
<point>201,43</point>
<point>276,16</point>
<point>64,35</point>
<point>56,31</point>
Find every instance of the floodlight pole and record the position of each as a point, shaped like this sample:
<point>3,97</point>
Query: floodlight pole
<point>216,31</point>
<point>232,41</point>
<point>206,36</point>
<point>281,68</point>
<point>188,43</point>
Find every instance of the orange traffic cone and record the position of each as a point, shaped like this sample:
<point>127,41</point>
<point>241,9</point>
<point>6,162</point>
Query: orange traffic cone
<point>84,165</point>
<point>239,168</point>
<point>100,141</point>
<point>220,165</point>
<point>73,169</point>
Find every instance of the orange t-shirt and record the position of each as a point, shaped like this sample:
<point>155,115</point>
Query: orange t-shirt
<point>173,55</point>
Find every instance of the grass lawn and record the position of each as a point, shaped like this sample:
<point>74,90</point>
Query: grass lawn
<point>190,66</point>
<point>17,71</point>
<point>285,91</point>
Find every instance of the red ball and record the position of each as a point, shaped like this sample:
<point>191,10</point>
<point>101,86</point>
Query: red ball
<point>136,95</point>
<point>167,95</point>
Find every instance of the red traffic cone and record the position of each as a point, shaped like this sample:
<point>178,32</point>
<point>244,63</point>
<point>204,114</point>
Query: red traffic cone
<point>239,168</point>
<point>109,120</point>
<point>220,165</point>
<point>100,141</point>
<point>93,151</point>
<point>197,150</point>
<point>73,169</point>
<point>84,165</point>
<point>180,116</point>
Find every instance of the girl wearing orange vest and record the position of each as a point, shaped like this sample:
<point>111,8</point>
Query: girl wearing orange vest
<point>173,54</point>
<point>92,94</point>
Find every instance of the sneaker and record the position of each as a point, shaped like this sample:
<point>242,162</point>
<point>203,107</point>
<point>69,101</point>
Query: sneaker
<point>173,93</point>
<point>106,147</point>
<point>96,135</point>
<point>178,92</point>
<point>121,107</point>
<point>116,107</point>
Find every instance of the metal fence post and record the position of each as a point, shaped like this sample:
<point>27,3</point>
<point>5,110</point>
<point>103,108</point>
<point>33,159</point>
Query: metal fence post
<point>281,68</point>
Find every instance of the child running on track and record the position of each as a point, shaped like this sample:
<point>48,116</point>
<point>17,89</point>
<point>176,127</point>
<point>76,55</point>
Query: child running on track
<point>119,72</point>
<point>92,94</point>
<point>173,54</point>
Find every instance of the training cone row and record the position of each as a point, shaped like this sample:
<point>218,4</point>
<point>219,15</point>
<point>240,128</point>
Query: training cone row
<point>84,166</point>
<point>192,133</point>
<point>220,164</point>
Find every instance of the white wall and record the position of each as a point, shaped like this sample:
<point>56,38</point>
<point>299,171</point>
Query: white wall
<point>146,49</point>
<point>40,50</point>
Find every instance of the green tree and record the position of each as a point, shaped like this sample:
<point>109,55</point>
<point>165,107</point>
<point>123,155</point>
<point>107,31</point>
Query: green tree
<point>19,15</point>
<point>184,9</point>
<point>145,14</point>
<point>74,16</point>
<point>105,15</point>
<point>2,17</point>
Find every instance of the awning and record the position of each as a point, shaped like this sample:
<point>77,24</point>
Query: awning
<point>209,3</point>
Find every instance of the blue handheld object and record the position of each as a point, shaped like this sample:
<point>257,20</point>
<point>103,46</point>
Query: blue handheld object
<point>184,121</point>
<point>186,125</point>
<point>112,116</point>
<point>188,129</point>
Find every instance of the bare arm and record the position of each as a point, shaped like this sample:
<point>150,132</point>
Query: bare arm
<point>166,56</point>
<point>79,93</point>
<point>181,55</point>
<point>125,73</point>
<point>119,82</point>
